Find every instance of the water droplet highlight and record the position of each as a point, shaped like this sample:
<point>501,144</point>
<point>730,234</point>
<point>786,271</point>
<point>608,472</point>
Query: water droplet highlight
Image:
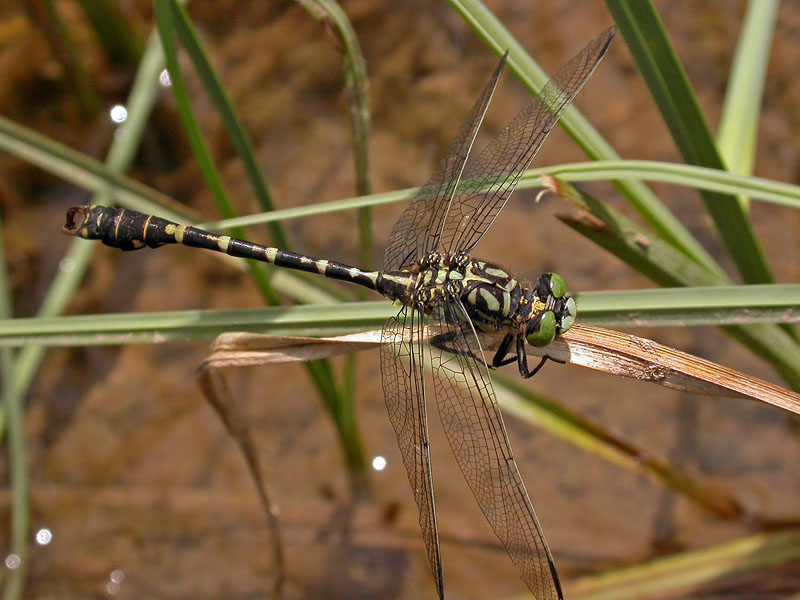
<point>118,113</point>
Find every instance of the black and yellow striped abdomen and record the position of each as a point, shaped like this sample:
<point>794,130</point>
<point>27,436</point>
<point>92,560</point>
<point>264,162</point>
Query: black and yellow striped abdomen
<point>131,230</point>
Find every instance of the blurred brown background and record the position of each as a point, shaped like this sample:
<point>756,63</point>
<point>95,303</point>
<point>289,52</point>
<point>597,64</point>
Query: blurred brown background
<point>131,470</point>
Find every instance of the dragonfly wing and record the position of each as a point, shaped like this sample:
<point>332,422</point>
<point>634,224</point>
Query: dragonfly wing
<point>417,230</point>
<point>404,392</point>
<point>492,177</point>
<point>474,427</point>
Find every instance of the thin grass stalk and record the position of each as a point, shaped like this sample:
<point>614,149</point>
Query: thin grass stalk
<point>45,14</point>
<point>12,421</point>
<point>357,85</point>
<point>14,587</point>
<point>354,70</point>
<point>238,136</point>
<point>62,289</point>
<point>87,173</point>
<point>122,43</point>
<point>166,29</point>
<point>170,20</point>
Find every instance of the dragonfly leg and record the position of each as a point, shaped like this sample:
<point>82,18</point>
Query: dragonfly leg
<point>449,343</point>
<point>500,359</point>
<point>522,360</point>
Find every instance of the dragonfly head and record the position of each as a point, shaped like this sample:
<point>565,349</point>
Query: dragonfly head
<point>559,312</point>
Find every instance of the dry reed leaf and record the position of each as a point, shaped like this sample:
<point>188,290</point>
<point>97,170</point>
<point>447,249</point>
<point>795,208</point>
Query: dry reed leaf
<point>604,350</point>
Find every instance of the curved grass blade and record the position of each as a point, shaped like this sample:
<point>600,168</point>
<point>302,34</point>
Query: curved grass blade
<point>165,23</point>
<point>218,396</point>
<point>75,262</point>
<point>692,306</point>
<point>185,31</point>
<point>666,266</point>
<point>655,214</point>
<point>662,71</point>
<point>90,174</point>
<point>767,190</point>
<point>701,178</point>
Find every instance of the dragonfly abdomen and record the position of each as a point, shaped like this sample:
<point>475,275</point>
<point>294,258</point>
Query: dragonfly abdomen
<point>131,230</point>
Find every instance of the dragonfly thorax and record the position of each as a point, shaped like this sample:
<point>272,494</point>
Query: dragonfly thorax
<point>493,299</point>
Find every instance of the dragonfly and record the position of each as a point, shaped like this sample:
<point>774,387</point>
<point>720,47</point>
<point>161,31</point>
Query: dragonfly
<point>446,298</point>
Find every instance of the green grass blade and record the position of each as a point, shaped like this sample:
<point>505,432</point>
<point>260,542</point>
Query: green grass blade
<point>701,178</point>
<point>74,264</point>
<point>355,76</point>
<point>66,282</point>
<point>655,214</point>
<point>738,126</point>
<point>12,422</point>
<point>718,305</point>
<point>230,121</point>
<point>657,62</point>
<point>14,585</point>
<point>767,190</point>
<point>169,14</point>
<point>92,175</point>
<point>6,305</point>
<point>76,260</point>
<point>692,306</point>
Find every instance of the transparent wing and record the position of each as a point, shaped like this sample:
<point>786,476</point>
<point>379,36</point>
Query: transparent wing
<point>416,231</point>
<point>477,435</point>
<point>491,178</point>
<point>404,392</point>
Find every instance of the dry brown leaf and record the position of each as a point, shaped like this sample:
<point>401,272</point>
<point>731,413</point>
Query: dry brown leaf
<point>605,350</point>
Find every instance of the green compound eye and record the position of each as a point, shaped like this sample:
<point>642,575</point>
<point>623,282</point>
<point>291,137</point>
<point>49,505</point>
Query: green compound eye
<point>557,286</point>
<point>570,312</point>
<point>541,330</point>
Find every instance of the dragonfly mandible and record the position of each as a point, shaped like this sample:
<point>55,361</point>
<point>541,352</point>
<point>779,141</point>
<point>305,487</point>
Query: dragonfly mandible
<point>445,297</point>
